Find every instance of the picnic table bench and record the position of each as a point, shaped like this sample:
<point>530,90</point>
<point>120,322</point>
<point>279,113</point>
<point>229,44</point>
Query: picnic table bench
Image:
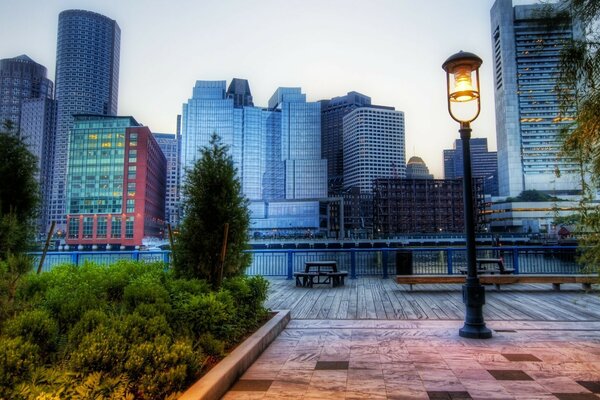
<point>489,266</point>
<point>586,280</point>
<point>315,270</point>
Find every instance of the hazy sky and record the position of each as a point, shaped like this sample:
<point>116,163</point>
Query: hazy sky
<point>390,50</point>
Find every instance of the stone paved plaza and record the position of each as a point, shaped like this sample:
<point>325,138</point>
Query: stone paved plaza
<point>547,358</point>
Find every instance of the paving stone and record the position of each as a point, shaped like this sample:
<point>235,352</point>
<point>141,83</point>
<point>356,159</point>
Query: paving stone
<point>509,375</point>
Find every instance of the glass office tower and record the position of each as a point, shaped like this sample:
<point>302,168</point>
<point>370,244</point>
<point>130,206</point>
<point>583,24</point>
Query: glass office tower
<point>87,81</point>
<point>276,150</point>
<point>483,162</point>
<point>528,122</point>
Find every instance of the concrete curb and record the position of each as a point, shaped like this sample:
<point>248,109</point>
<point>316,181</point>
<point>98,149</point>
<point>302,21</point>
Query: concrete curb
<point>218,380</point>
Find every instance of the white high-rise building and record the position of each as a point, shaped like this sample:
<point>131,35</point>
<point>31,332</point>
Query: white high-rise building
<point>373,147</point>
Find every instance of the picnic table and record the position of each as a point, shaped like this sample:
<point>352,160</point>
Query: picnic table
<point>320,272</point>
<point>490,266</point>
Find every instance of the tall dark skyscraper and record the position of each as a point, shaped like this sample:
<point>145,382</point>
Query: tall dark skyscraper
<point>239,91</point>
<point>483,162</point>
<point>21,78</point>
<point>87,82</point>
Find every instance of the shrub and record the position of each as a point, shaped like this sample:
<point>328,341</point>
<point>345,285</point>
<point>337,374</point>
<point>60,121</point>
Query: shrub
<point>211,346</point>
<point>136,328</point>
<point>91,320</point>
<point>146,289</point>
<point>17,359</point>
<point>212,312</point>
<point>162,366</point>
<point>37,327</point>
<point>103,349</point>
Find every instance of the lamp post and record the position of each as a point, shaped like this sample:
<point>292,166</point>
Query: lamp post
<point>464,106</point>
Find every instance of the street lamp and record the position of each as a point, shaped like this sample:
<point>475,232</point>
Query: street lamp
<point>462,89</point>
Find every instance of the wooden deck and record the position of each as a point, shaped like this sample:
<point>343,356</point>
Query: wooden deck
<point>376,298</point>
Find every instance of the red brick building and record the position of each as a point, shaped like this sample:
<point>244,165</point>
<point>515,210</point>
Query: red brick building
<point>116,183</point>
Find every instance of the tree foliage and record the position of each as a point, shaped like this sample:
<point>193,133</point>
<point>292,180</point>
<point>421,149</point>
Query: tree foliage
<point>212,198</point>
<point>579,93</point>
<point>19,193</point>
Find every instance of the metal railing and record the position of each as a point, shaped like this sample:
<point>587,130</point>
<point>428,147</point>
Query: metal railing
<point>363,262</point>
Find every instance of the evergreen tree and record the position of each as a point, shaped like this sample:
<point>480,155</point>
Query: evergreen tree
<point>18,192</point>
<point>212,198</point>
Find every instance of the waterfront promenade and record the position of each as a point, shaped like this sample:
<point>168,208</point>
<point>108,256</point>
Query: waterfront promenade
<point>374,339</point>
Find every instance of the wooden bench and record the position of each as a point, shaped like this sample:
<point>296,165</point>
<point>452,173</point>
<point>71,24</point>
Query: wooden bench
<point>586,280</point>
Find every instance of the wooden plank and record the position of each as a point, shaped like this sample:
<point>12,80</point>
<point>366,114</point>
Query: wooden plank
<point>385,299</point>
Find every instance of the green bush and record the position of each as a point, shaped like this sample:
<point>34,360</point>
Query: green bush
<point>37,327</point>
<point>103,349</point>
<point>146,289</point>
<point>162,366</point>
<point>128,330</point>
<point>18,358</point>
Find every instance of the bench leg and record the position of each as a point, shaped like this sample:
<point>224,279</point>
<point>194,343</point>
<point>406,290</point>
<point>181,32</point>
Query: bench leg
<point>342,281</point>
<point>497,286</point>
<point>556,286</point>
<point>586,286</point>
<point>299,282</point>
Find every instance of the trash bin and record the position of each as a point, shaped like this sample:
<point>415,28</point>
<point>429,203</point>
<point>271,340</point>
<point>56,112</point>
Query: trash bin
<point>404,262</point>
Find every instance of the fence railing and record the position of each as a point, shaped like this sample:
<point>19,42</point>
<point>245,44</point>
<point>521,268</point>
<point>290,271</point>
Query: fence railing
<point>363,262</point>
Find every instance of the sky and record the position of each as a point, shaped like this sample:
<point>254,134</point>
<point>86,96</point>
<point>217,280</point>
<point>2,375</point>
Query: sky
<point>390,50</point>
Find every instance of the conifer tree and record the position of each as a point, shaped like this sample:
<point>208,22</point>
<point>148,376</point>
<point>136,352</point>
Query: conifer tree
<point>212,198</point>
<point>19,193</point>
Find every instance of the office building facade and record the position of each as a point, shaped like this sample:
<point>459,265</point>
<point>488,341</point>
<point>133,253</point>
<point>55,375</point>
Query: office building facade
<point>276,150</point>
<point>484,164</point>
<point>21,78</point>
<point>528,119</point>
<point>332,134</point>
<point>37,128</point>
<point>170,145</point>
<point>116,183</point>
<point>373,147</point>
<point>87,82</point>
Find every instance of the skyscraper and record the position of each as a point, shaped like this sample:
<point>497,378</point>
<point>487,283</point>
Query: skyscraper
<point>528,122</point>
<point>484,164</point>
<point>170,145</point>
<point>276,150</point>
<point>21,78</point>
<point>332,134</point>
<point>373,147</point>
<point>87,82</point>
<point>38,127</point>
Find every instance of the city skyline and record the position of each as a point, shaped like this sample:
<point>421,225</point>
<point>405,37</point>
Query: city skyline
<point>327,49</point>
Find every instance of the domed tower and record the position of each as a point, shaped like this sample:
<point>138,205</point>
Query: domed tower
<point>416,169</point>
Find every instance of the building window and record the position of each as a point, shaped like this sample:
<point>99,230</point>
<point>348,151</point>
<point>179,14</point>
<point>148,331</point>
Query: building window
<point>115,229</point>
<point>129,228</point>
<point>73,228</point>
<point>88,227</point>
<point>101,230</point>
<point>130,205</point>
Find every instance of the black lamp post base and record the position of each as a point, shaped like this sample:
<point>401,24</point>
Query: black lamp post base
<point>475,332</point>
<point>474,299</point>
